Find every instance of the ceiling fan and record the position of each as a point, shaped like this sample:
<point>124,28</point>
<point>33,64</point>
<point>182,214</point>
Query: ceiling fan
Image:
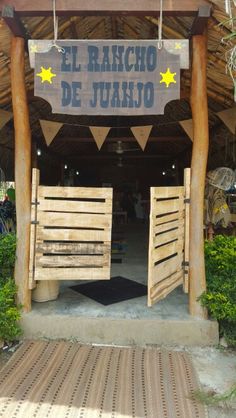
<point>120,148</point>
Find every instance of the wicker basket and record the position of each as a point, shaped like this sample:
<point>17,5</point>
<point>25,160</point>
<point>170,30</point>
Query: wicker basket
<point>46,290</point>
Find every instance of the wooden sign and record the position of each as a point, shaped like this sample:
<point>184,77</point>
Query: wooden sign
<point>174,46</point>
<point>107,77</point>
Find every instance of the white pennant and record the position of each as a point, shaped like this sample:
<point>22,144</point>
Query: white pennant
<point>228,116</point>
<point>187,125</point>
<point>141,134</point>
<point>99,133</point>
<point>5,116</point>
<point>50,129</point>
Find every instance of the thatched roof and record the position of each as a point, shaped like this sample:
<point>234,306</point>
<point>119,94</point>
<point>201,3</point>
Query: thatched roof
<point>67,143</point>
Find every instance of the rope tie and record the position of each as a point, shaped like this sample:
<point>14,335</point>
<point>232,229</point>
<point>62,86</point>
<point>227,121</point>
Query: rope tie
<point>160,43</point>
<point>55,27</point>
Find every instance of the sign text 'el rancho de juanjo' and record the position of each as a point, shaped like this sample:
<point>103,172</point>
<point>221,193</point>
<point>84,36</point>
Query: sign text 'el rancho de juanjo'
<point>108,77</point>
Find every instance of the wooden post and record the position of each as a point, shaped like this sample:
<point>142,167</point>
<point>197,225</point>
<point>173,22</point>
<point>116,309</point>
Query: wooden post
<point>22,170</point>
<point>198,173</point>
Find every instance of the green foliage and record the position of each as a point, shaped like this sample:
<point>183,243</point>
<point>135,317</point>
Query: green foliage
<point>211,398</point>
<point>9,311</point>
<point>220,297</point>
<point>7,254</point>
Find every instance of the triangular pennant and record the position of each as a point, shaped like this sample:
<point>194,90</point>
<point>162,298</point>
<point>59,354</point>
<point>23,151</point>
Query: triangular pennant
<point>187,125</point>
<point>141,134</point>
<point>99,133</point>
<point>50,129</point>
<point>5,116</point>
<point>228,116</point>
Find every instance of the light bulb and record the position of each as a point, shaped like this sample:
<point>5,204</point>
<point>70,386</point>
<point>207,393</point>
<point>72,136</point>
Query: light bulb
<point>173,166</point>
<point>77,173</point>
<point>39,152</point>
<point>65,166</point>
<point>163,173</point>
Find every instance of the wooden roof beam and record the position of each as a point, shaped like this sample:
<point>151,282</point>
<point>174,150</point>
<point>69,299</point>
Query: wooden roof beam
<point>200,22</point>
<point>152,139</point>
<point>13,21</point>
<point>104,7</point>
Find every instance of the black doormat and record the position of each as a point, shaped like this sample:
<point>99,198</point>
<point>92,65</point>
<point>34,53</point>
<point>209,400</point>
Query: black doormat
<point>116,260</point>
<point>111,291</point>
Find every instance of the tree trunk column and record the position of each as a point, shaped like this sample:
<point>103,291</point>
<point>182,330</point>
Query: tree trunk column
<point>198,173</point>
<point>22,170</point>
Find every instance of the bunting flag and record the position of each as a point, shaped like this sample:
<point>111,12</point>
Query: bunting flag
<point>228,116</point>
<point>187,125</point>
<point>50,129</point>
<point>5,116</point>
<point>141,133</point>
<point>99,133</point>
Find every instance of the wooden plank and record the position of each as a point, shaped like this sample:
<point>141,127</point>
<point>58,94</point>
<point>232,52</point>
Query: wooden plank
<point>73,273</point>
<point>35,183</point>
<point>198,173</point>
<point>72,206</point>
<point>168,192</point>
<point>167,250</point>
<point>168,218</point>
<point>72,248</point>
<point>168,206</point>
<point>150,247</point>
<point>161,291</point>
<point>105,7</point>
<point>75,192</point>
<point>73,234</point>
<point>22,171</point>
<point>168,226</point>
<point>186,229</point>
<point>70,220</point>
<point>72,260</point>
<point>171,235</point>
<point>164,270</point>
<point>233,217</point>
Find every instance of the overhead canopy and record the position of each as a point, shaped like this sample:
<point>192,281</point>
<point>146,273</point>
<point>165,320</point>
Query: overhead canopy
<point>106,19</point>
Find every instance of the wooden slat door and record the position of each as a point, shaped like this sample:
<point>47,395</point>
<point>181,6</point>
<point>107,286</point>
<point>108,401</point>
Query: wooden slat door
<point>71,233</point>
<point>168,250</point>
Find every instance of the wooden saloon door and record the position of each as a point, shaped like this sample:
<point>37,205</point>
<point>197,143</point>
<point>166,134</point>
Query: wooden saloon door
<point>70,233</point>
<point>168,240</point>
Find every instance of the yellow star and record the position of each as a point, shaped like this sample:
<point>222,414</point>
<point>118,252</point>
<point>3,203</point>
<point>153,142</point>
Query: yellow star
<point>178,45</point>
<point>34,48</point>
<point>168,77</point>
<point>46,75</point>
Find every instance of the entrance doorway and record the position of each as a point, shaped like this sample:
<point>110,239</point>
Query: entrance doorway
<point>72,238</point>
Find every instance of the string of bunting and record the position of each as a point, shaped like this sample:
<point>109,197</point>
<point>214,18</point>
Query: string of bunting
<point>141,133</point>
<point>5,116</point>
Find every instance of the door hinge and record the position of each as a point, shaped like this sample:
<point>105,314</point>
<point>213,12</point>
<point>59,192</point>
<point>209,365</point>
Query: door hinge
<point>187,201</point>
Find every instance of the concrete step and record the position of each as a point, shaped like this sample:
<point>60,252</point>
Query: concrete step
<point>120,331</point>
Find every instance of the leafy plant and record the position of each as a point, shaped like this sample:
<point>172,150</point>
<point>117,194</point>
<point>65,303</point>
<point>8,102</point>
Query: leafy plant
<point>7,254</point>
<point>212,398</point>
<point>9,310</point>
<point>220,297</point>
